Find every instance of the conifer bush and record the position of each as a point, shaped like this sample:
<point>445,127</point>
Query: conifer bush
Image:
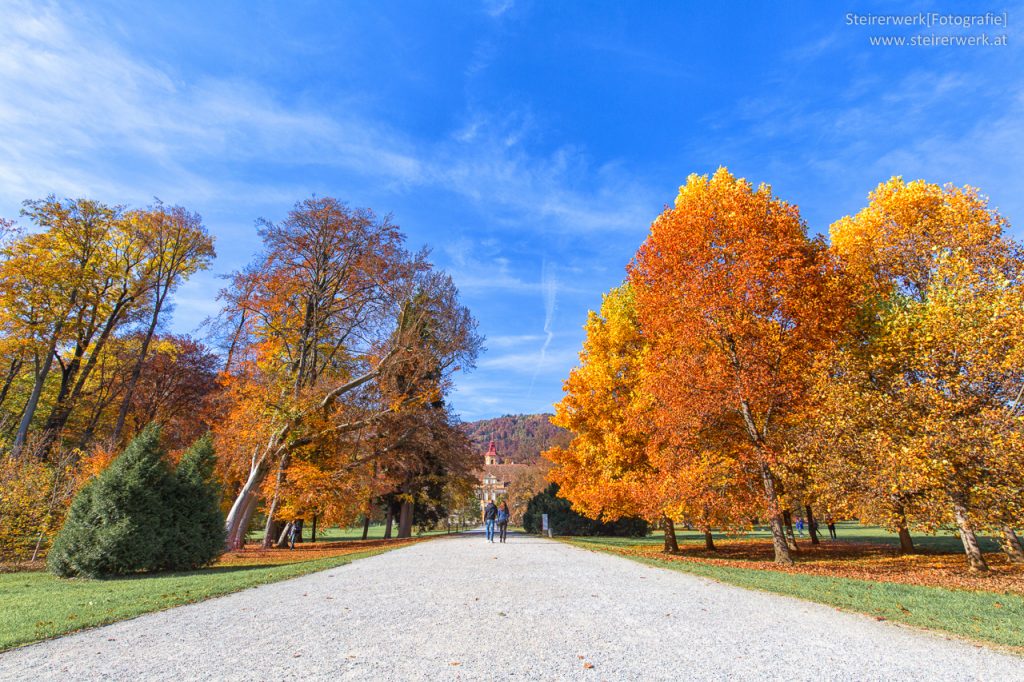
<point>199,535</point>
<point>143,515</point>
<point>565,521</point>
<point>119,523</point>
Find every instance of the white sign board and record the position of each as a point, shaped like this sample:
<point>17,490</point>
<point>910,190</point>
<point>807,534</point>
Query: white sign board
<point>544,522</point>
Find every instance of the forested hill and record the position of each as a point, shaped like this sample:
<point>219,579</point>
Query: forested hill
<point>522,437</point>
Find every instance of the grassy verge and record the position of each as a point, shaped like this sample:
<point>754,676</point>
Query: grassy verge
<point>990,617</point>
<point>36,605</point>
<point>943,540</point>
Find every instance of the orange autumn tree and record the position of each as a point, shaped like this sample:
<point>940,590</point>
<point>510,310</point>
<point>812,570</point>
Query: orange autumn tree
<point>937,370</point>
<point>334,326</point>
<point>703,480</point>
<point>736,302</point>
<point>619,463</point>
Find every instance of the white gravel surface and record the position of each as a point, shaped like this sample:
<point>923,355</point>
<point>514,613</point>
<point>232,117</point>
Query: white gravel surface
<point>532,609</point>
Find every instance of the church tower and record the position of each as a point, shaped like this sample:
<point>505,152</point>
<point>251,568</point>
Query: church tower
<point>491,457</point>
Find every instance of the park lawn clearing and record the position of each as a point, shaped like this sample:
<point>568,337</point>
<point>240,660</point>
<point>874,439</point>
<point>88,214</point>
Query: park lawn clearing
<point>989,616</point>
<point>35,605</point>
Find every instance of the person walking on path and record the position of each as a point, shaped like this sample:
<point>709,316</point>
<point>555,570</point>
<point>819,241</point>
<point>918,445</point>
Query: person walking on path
<point>503,522</point>
<point>831,526</point>
<point>490,514</point>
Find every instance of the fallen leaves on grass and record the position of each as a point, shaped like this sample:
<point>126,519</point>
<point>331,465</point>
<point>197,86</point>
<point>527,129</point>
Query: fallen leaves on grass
<point>257,556</point>
<point>858,560</point>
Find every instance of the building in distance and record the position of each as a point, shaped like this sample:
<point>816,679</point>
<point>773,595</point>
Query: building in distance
<point>496,476</point>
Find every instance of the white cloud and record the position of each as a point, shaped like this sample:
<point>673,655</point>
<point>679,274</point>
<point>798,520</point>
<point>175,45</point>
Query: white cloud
<point>528,363</point>
<point>512,340</point>
<point>496,8</point>
<point>82,116</point>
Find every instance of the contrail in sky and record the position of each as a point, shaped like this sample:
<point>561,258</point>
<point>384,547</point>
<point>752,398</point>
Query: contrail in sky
<point>549,287</point>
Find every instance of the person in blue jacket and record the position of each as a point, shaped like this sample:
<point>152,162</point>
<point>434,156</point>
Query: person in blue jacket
<point>490,514</point>
<point>503,521</point>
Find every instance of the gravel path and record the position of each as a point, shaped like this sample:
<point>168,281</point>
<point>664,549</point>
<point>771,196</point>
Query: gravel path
<point>534,609</point>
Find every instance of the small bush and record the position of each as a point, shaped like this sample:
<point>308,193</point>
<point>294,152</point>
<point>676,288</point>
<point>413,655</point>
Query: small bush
<point>564,521</point>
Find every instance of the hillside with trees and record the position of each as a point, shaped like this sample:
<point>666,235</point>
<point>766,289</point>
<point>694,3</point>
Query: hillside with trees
<point>521,437</point>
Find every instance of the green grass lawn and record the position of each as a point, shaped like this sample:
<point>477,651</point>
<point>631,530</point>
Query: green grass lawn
<point>848,531</point>
<point>36,605</point>
<point>993,617</point>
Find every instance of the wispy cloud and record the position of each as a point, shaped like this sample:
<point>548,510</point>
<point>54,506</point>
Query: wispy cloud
<point>549,282</point>
<point>496,8</point>
<point>78,109</point>
<point>512,340</point>
<point>531,363</point>
<point>478,266</point>
<point>918,122</point>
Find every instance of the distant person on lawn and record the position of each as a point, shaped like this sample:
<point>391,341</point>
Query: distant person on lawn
<point>503,521</point>
<point>831,527</point>
<point>490,514</point>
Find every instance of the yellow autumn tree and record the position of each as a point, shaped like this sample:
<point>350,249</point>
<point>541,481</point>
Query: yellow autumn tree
<point>605,471</point>
<point>934,371</point>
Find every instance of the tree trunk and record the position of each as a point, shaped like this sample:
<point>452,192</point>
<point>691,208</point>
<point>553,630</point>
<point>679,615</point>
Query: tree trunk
<point>313,531</point>
<point>975,560</point>
<point>91,352</point>
<point>12,374</point>
<point>906,542</point>
<point>282,466</point>
<point>389,520</point>
<point>133,380</point>
<point>33,400</point>
<point>366,526</point>
<point>238,518</point>
<point>1012,547</point>
<point>272,525</point>
<point>810,525</point>
<point>282,535</point>
<point>787,518</point>
<point>782,555</point>
<point>405,520</point>
<point>671,544</point>
<point>238,534</point>
<point>709,542</point>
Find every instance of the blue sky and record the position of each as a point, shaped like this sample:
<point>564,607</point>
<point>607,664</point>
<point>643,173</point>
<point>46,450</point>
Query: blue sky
<point>529,144</point>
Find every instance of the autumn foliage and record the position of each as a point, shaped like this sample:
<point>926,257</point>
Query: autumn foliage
<point>323,379</point>
<point>748,371</point>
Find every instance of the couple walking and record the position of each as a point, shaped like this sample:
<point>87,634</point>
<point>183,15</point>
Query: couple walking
<point>491,515</point>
